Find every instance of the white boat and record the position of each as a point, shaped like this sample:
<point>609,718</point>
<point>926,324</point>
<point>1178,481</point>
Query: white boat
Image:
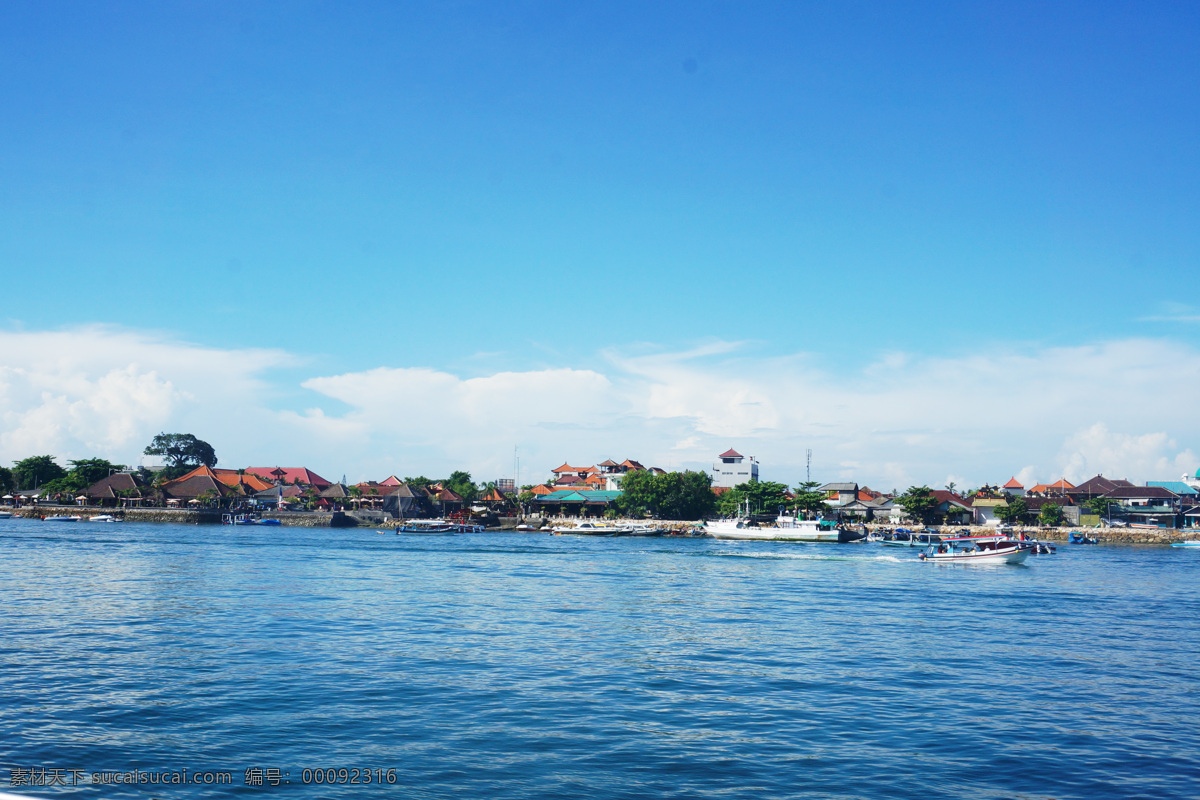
<point>6,515</point>
<point>786,528</point>
<point>103,518</point>
<point>427,526</point>
<point>977,550</point>
<point>1191,543</point>
<point>588,529</point>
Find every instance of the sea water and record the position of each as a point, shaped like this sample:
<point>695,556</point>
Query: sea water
<point>317,663</point>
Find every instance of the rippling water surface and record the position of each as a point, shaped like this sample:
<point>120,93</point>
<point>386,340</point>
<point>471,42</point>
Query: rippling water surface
<point>533,666</point>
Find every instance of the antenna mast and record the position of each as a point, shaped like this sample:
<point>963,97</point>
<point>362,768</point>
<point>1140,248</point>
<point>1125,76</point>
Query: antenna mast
<point>808,465</point>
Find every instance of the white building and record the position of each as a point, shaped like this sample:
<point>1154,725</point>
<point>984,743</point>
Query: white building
<point>734,468</point>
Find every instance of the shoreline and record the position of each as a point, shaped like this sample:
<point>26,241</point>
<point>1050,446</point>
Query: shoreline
<point>320,519</point>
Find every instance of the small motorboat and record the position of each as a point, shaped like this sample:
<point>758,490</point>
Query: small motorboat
<point>65,518</point>
<point>588,529</point>
<point>1193,543</point>
<point>977,550</point>
<point>103,518</point>
<point>1081,538</point>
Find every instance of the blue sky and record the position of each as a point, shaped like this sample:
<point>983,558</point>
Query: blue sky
<point>679,200</point>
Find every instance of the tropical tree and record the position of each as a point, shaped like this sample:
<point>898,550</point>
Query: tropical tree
<point>461,484</point>
<point>1098,505</point>
<point>7,483</point>
<point>764,496</point>
<point>919,503</point>
<point>808,500</point>
<point>672,495</point>
<point>183,452</point>
<point>1012,512</point>
<point>1051,514</point>
<point>32,472</point>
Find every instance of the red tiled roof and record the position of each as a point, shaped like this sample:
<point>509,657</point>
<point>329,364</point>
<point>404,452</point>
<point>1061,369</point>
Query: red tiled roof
<point>290,475</point>
<point>1013,483</point>
<point>944,496</point>
<point>631,464</point>
<point>564,468</point>
<point>569,479</point>
<point>391,480</point>
<point>731,453</point>
<point>542,489</point>
<point>608,463</point>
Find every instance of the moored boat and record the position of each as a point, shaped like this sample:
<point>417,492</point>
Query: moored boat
<point>786,528</point>
<point>103,518</point>
<point>588,529</point>
<point>1190,543</point>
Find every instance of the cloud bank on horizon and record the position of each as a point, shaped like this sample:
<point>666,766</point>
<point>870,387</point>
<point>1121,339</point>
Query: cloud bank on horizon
<point>1121,408</point>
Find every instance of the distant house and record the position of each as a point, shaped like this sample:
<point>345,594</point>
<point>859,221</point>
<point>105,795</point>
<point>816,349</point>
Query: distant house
<point>1013,488</point>
<point>120,488</point>
<point>840,494</point>
<point>733,469</point>
<point>577,502</point>
<point>1151,506</point>
<point>953,508</point>
<point>1059,487</point>
<point>1095,487</point>
<point>293,475</point>
<point>200,482</point>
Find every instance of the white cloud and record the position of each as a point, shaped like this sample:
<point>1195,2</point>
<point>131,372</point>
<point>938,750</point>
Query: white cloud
<point>101,391</point>
<point>1123,408</point>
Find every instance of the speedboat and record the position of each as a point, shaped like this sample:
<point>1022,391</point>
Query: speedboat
<point>1190,543</point>
<point>588,529</point>
<point>103,518</point>
<point>65,518</point>
<point>427,526</point>
<point>6,515</point>
<point>977,550</point>
<point>786,528</point>
<point>1080,538</point>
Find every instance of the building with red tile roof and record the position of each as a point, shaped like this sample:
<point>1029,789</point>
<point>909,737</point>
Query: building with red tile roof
<point>301,475</point>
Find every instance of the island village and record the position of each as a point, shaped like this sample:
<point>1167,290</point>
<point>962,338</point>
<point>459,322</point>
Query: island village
<point>571,494</point>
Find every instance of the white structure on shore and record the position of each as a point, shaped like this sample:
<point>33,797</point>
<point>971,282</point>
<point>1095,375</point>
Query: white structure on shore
<point>733,468</point>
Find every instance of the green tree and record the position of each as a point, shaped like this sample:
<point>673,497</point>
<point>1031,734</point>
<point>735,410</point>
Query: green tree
<point>919,503</point>
<point>461,484</point>
<point>419,482</point>
<point>182,450</point>
<point>1013,512</point>
<point>672,495</point>
<point>32,472</point>
<point>91,470</point>
<point>1098,505</point>
<point>766,497</point>
<point>809,500</point>
<point>7,483</point>
<point>1051,514</point>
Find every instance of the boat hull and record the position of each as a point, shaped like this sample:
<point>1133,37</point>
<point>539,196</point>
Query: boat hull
<point>1008,556</point>
<point>730,530</point>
